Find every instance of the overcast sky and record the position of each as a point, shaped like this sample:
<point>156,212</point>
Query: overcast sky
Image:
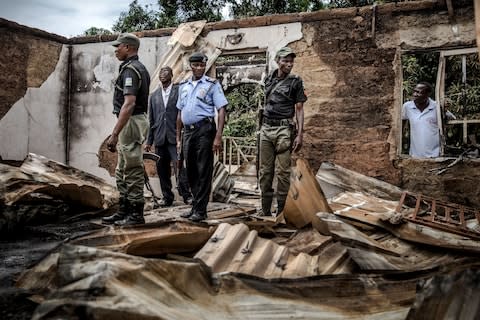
<point>66,17</point>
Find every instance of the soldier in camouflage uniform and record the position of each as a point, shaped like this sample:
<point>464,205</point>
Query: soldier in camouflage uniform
<point>284,98</point>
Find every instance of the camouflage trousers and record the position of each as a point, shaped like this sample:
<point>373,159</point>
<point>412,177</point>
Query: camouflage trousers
<point>275,157</point>
<point>129,173</point>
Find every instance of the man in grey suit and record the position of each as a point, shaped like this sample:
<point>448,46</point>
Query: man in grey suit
<point>163,116</point>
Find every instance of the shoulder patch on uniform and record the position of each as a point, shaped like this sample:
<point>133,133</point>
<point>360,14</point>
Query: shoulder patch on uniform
<point>128,82</point>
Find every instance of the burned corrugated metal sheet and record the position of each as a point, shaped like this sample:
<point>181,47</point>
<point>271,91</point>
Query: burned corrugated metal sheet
<point>38,174</point>
<point>335,179</point>
<point>79,282</point>
<point>149,240</point>
<point>238,249</point>
<point>305,197</point>
<point>42,190</point>
<point>90,283</point>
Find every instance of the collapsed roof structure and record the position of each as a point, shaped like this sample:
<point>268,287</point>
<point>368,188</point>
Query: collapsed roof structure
<point>358,255</point>
<point>347,246</point>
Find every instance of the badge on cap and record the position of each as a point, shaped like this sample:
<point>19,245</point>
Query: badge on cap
<point>128,82</point>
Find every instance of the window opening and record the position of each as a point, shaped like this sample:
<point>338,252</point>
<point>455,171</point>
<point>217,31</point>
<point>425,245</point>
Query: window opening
<point>416,67</point>
<point>461,96</point>
<point>241,74</point>
<point>455,78</point>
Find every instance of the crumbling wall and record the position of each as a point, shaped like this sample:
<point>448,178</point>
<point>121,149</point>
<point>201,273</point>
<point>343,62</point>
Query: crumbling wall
<point>349,60</point>
<point>26,61</point>
<point>457,184</point>
<point>33,73</point>
<point>352,76</point>
<point>350,84</point>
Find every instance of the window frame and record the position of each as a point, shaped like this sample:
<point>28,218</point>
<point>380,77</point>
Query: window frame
<point>439,97</point>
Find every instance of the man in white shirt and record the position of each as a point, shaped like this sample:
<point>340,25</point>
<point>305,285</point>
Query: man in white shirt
<point>424,128</point>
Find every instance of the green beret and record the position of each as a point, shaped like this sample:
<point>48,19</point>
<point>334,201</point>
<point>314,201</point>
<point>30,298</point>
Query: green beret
<point>284,52</point>
<point>127,38</point>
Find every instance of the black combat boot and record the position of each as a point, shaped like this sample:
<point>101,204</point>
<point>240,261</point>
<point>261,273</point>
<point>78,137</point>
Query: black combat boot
<point>266,207</point>
<point>135,217</point>
<point>280,206</point>
<point>123,210</point>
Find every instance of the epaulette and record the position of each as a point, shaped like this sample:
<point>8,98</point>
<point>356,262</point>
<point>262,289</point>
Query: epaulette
<point>211,80</point>
<point>183,82</point>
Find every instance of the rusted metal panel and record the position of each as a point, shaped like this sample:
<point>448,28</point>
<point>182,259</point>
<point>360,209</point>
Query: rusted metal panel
<point>38,174</point>
<point>305,197</point>
<point>238,249</point>
<point>148,240</point>
<point>104,284</point>
<point>348,234</point>
<point>334,179</point>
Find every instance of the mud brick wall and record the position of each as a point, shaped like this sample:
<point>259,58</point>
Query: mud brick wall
<point>352,76</point>
<point>350,83</point>
<point>349,60</point>
<point>28,57</point>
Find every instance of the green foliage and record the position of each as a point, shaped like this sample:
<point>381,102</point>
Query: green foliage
<point>250,8</point>
<point>243,102</point>
<point>418,68</point>
<point>94,31</point>
<point>241,125</point>
<point>463,99</point>
<point>192,10</point>
<point>137,18</point>
<point>169,14</point>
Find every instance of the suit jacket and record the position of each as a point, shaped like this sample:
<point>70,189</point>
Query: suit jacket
<point>163,121</point>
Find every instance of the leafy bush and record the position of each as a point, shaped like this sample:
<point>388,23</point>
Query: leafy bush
<point>418,68</point>
<point>243,103</point>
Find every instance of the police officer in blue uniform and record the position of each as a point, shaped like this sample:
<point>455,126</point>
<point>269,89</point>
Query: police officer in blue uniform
<point>199,98</point>
<point>130,102</point>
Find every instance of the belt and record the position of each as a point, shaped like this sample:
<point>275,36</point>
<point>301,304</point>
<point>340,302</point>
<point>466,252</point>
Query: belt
<point>133,114</point>
<point>277,122</point>
<point>196,125</point>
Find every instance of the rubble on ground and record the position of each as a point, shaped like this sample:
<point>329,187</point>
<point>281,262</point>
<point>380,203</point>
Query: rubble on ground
<point>346,247</point>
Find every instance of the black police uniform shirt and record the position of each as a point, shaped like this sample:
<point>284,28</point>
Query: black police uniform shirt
<point>133,79</point>
<point>281,99</point>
